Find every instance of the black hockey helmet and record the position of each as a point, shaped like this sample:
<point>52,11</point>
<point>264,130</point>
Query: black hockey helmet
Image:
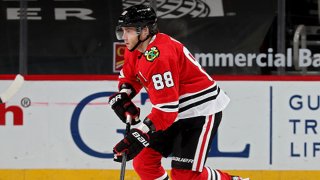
<point>138,16</point>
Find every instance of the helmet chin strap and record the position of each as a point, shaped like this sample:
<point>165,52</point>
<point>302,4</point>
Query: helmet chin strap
<point>139,42</point>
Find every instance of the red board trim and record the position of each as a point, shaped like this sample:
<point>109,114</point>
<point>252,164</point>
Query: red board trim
<point>78,77</point>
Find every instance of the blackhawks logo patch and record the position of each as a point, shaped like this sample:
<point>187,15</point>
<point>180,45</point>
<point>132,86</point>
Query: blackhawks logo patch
<point>152,54</point>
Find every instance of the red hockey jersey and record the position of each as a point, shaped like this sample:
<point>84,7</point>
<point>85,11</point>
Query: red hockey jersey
<point>177,86</point>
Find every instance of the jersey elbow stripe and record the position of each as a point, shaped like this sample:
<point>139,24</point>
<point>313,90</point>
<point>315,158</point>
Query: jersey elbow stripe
<point>168,107</point>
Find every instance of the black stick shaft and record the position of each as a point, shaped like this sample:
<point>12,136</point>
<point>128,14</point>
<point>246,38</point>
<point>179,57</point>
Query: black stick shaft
<point>124,156</point>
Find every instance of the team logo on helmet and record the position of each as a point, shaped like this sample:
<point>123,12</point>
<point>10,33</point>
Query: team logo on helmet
<point>152,54</point>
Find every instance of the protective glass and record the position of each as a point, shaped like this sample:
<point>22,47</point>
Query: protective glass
<point>119,33</point>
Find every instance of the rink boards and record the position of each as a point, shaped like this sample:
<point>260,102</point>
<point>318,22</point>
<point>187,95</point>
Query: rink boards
<point>64,129</point>
<point>131,175</point>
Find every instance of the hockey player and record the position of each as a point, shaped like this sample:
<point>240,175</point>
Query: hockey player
<point>186,102</point>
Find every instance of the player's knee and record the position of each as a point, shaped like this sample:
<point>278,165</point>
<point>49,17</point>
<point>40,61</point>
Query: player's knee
<point>138,165</point>
<point>177,174</point>
<point>149,170</point>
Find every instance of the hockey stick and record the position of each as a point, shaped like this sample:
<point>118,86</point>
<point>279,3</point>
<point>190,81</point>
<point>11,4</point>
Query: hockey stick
<point>13,89</point>
<point>124,155</point>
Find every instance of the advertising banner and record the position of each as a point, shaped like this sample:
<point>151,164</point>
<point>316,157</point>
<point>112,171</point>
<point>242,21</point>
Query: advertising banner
<point>78,37</point>
<point>269,125</point>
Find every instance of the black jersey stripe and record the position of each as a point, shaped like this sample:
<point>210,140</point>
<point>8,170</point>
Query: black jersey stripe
<point>215,175</point>
<point>182,100</point>
<point>169,106</point>
<point>199,102</point>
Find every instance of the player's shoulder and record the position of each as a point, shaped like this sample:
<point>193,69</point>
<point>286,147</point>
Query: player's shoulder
<point>164,38</point>
<point>165,42</point>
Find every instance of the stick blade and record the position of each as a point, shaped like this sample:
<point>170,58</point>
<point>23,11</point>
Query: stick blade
<point>13,89</point>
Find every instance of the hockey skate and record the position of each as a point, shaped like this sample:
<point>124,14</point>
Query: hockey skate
<point>238,178</point>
